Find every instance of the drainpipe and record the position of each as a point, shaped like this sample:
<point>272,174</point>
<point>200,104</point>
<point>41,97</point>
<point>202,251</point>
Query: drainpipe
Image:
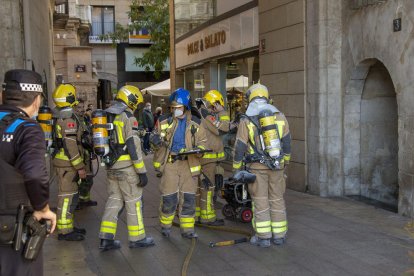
<point>27,38</point>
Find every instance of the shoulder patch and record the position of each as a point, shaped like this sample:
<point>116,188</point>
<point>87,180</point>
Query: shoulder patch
<point>70,124</point>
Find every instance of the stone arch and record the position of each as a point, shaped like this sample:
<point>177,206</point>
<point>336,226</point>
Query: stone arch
<point>371,134</point>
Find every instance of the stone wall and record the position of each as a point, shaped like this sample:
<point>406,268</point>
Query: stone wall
<point>344,46</point>
<point>282,64</point>
<point>37,38</point>
<point>370,35</point>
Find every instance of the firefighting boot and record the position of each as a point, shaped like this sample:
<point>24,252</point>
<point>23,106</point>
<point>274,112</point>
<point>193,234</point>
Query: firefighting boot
<point>166,232</point>
<point>72,236</point>
<point>145,242</point>
<point>190,235</point>
<point>109,244</point>
<point>255,240</point>
<point>217,222</point>
<point>279,241</point>
<point>79,230</point>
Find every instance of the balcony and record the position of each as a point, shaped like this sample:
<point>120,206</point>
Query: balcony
<point>99,29</point>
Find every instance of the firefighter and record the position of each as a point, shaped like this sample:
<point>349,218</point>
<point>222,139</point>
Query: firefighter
<point>126,173</point>
<point>22,168</point>
<point>178,132</point>
<point>68,160</point>
<point>216,122</point>
<point>263,143</point>
<point>85,185</point>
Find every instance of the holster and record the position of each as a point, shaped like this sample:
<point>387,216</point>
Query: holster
<point>37,232</point>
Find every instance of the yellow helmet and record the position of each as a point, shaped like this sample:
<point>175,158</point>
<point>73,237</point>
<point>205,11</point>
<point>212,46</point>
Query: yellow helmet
<point>65,95</point>
<point>257,91</point>
<point>130,95</point>
<point>214,96</point>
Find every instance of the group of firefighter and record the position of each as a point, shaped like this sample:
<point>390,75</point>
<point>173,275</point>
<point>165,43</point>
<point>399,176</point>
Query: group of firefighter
<point>188,154</point>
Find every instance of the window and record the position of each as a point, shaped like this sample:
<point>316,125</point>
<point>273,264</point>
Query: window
<point>103,20</point>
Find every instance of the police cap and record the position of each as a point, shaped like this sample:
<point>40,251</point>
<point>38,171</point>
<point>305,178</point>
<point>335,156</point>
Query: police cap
<point>23,80</point>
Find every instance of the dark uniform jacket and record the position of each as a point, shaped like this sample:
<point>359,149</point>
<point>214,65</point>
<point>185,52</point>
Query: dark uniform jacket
<point>24,176</point>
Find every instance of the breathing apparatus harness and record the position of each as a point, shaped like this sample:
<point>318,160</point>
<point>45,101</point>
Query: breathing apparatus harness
<point>263,156</point>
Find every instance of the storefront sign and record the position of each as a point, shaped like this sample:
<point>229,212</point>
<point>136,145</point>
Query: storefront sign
<point>209,41</point>
<point>237,33</point>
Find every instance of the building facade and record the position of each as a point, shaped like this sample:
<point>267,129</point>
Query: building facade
<point>341,73</point>
<point>79,29</point>
<point>27,34</point>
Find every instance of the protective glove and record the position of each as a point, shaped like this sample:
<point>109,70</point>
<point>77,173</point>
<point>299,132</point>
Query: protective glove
<point>143,180</point>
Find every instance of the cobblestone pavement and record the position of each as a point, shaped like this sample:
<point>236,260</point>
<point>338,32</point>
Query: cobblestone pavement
<point>327,236</point>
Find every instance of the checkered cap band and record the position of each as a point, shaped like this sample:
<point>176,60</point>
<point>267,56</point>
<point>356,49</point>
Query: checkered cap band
<point>31,87</point>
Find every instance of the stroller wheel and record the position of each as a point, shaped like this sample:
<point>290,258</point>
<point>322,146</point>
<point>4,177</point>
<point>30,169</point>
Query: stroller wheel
<point>228,211</point>
<point>246,215</point>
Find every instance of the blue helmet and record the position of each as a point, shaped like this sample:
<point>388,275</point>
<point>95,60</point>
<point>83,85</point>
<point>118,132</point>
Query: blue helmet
<point>180,97</point>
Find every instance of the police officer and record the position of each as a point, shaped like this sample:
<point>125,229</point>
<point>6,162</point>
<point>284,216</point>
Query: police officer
<point>216,122</point>
<point>180,132</point>
<point>22,166</point>
<point>68,160</point>
<point>126,174</point>
<point>263,143</point>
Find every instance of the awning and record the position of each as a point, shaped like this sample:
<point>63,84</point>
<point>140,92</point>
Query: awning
<point>240,83</point>
<point>161,89</point>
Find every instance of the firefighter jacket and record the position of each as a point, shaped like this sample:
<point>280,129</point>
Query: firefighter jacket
<point>248,143</point>
<point>126,140</point>
<point>215,126</point>
<point>22,162</point>
<point>68,132</point>
<point>195,137</point>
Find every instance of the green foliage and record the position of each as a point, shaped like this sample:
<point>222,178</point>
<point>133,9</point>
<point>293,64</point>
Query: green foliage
<point>155,18</point>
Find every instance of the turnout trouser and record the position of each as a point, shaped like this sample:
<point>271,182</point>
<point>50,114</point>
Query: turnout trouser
<point>178,188</point>
<point>204,200</point>
<point>269,208</point>
<point>67,198</point>
<point>123,190</point>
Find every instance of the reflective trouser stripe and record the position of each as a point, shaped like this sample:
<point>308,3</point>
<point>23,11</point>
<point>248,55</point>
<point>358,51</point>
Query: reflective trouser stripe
<point>279,227</point>
<point>139,165</point>
<point>166,220</point>
<point>197,211</point>
<point>108,227</point>
<point>224,118</point>
<point>187,222</point>
<point>137,230</point>
<point>157,165</point>
<point>263,227</point>
<point>237,165</point>
<point>63,222</point>
<point>253,218</point>
<point>209,213</point>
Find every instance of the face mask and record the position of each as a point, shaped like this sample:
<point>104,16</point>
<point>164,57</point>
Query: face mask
<point>178,113</point>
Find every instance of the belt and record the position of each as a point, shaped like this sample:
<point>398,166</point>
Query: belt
<point>173,158</point>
